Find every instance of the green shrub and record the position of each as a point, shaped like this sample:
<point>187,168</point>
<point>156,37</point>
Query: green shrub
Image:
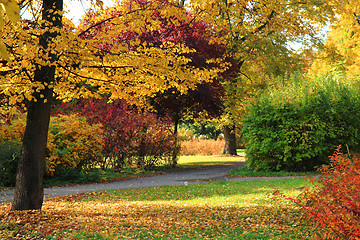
<point>297,127</point>
<point>72,176</point>
<point>9,157</point>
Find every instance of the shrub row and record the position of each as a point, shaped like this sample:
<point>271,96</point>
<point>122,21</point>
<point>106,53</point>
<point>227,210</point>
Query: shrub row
<point>112,135</point>
<point>132,136</point>
<point>297,127</point>
<point>72,143</point>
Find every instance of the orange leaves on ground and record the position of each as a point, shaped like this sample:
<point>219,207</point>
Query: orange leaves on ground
<point>79,215</point>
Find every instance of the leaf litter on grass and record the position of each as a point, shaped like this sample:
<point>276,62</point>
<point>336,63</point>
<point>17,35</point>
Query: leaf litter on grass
<point>118,215</point>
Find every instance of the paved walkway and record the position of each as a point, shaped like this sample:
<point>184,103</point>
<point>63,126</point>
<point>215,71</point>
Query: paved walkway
<point>193,176</point>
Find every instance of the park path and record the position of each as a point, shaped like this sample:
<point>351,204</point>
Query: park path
<point>192,176</point>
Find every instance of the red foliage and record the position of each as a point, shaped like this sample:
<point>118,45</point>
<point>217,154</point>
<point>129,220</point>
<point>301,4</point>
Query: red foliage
<point>131,136</point>
<point>335,204</point>
<point>193,33</point>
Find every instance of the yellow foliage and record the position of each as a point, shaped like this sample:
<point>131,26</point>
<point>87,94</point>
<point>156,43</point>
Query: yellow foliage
<point>342,49</point>
<point>72,142</point>
<point>257,34</point>
<point>14,131</point>
<point>9,11</point>
<point>84,70</point>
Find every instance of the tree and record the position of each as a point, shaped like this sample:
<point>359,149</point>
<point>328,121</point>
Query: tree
<point>28,193</point>
<point>257,35</point>
<point>341,50</point>
<point>194,34</point>
<point>51,59</point>
<point>9,12</point>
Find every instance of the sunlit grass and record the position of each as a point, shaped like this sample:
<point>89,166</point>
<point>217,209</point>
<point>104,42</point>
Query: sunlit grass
<point>218,210</point>
<point>245,172</point>
<point>201,161</point>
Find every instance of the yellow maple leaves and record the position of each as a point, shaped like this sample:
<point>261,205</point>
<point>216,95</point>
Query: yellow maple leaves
<point>91,62</point>
<point>9,10</point>
<point>341,50</point>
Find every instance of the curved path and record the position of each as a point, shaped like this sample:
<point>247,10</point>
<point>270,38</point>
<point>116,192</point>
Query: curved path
<point>192,176</point>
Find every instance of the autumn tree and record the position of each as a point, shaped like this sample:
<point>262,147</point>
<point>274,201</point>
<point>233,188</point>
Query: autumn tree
<point>341,51</point>
<point>194,34</point>
<point>10,11</point>
<point>50,59</point>
<point>258,33</point>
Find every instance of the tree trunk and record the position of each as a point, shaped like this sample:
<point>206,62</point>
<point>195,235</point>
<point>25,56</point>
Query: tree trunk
<point>29,180</point>
<point>176,149</point>
<point>29,191</point>
<point>230,140</point>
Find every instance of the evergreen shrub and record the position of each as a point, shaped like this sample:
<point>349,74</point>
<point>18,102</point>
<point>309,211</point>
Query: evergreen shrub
<point>9,157</point>
<point>298,126</point>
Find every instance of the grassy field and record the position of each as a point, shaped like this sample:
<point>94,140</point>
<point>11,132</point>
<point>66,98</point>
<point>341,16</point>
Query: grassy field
<point>245,172</point>
<point>201,161</point>
<point>218,210</point>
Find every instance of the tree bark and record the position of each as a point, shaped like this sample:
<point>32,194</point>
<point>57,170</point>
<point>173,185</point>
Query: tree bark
<point>176,149</point>
<point>230,140</point>
<point>29,191</point>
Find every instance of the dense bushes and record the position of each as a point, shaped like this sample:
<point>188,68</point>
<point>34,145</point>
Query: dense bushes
<point>9,156</point>
<point>333,204</point>
<point>113,135</point>
<point>297,127</point>
<point>72,142</point>
<point>132,136</point>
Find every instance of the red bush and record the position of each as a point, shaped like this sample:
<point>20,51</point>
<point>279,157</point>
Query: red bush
<point>334,205</point>
<point>131,136</point>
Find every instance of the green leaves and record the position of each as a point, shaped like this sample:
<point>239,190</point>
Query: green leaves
<point>297,127</point>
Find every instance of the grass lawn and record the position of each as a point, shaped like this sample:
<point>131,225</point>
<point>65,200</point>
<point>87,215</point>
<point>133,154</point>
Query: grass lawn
<point>245,172</point>
<point>218,210</point>
<point>202,161</point>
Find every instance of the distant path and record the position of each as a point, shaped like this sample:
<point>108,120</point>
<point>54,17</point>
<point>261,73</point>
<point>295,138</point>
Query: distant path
<point>191,176</point>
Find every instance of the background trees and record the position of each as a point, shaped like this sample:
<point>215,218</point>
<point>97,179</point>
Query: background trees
<point>50,59</point>
<point>125,52</point>
<point>192,33</point>
<point>257,36</point>
<point>341,50</point>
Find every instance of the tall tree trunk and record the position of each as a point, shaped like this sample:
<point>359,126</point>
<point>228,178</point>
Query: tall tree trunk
<point>29,191</point>
<point>176,149</point>
<point>230,140</point>
<point>29,180</point>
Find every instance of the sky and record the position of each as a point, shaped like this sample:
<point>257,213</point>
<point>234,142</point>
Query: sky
<point>74,9</point>
<point>77,8</point>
